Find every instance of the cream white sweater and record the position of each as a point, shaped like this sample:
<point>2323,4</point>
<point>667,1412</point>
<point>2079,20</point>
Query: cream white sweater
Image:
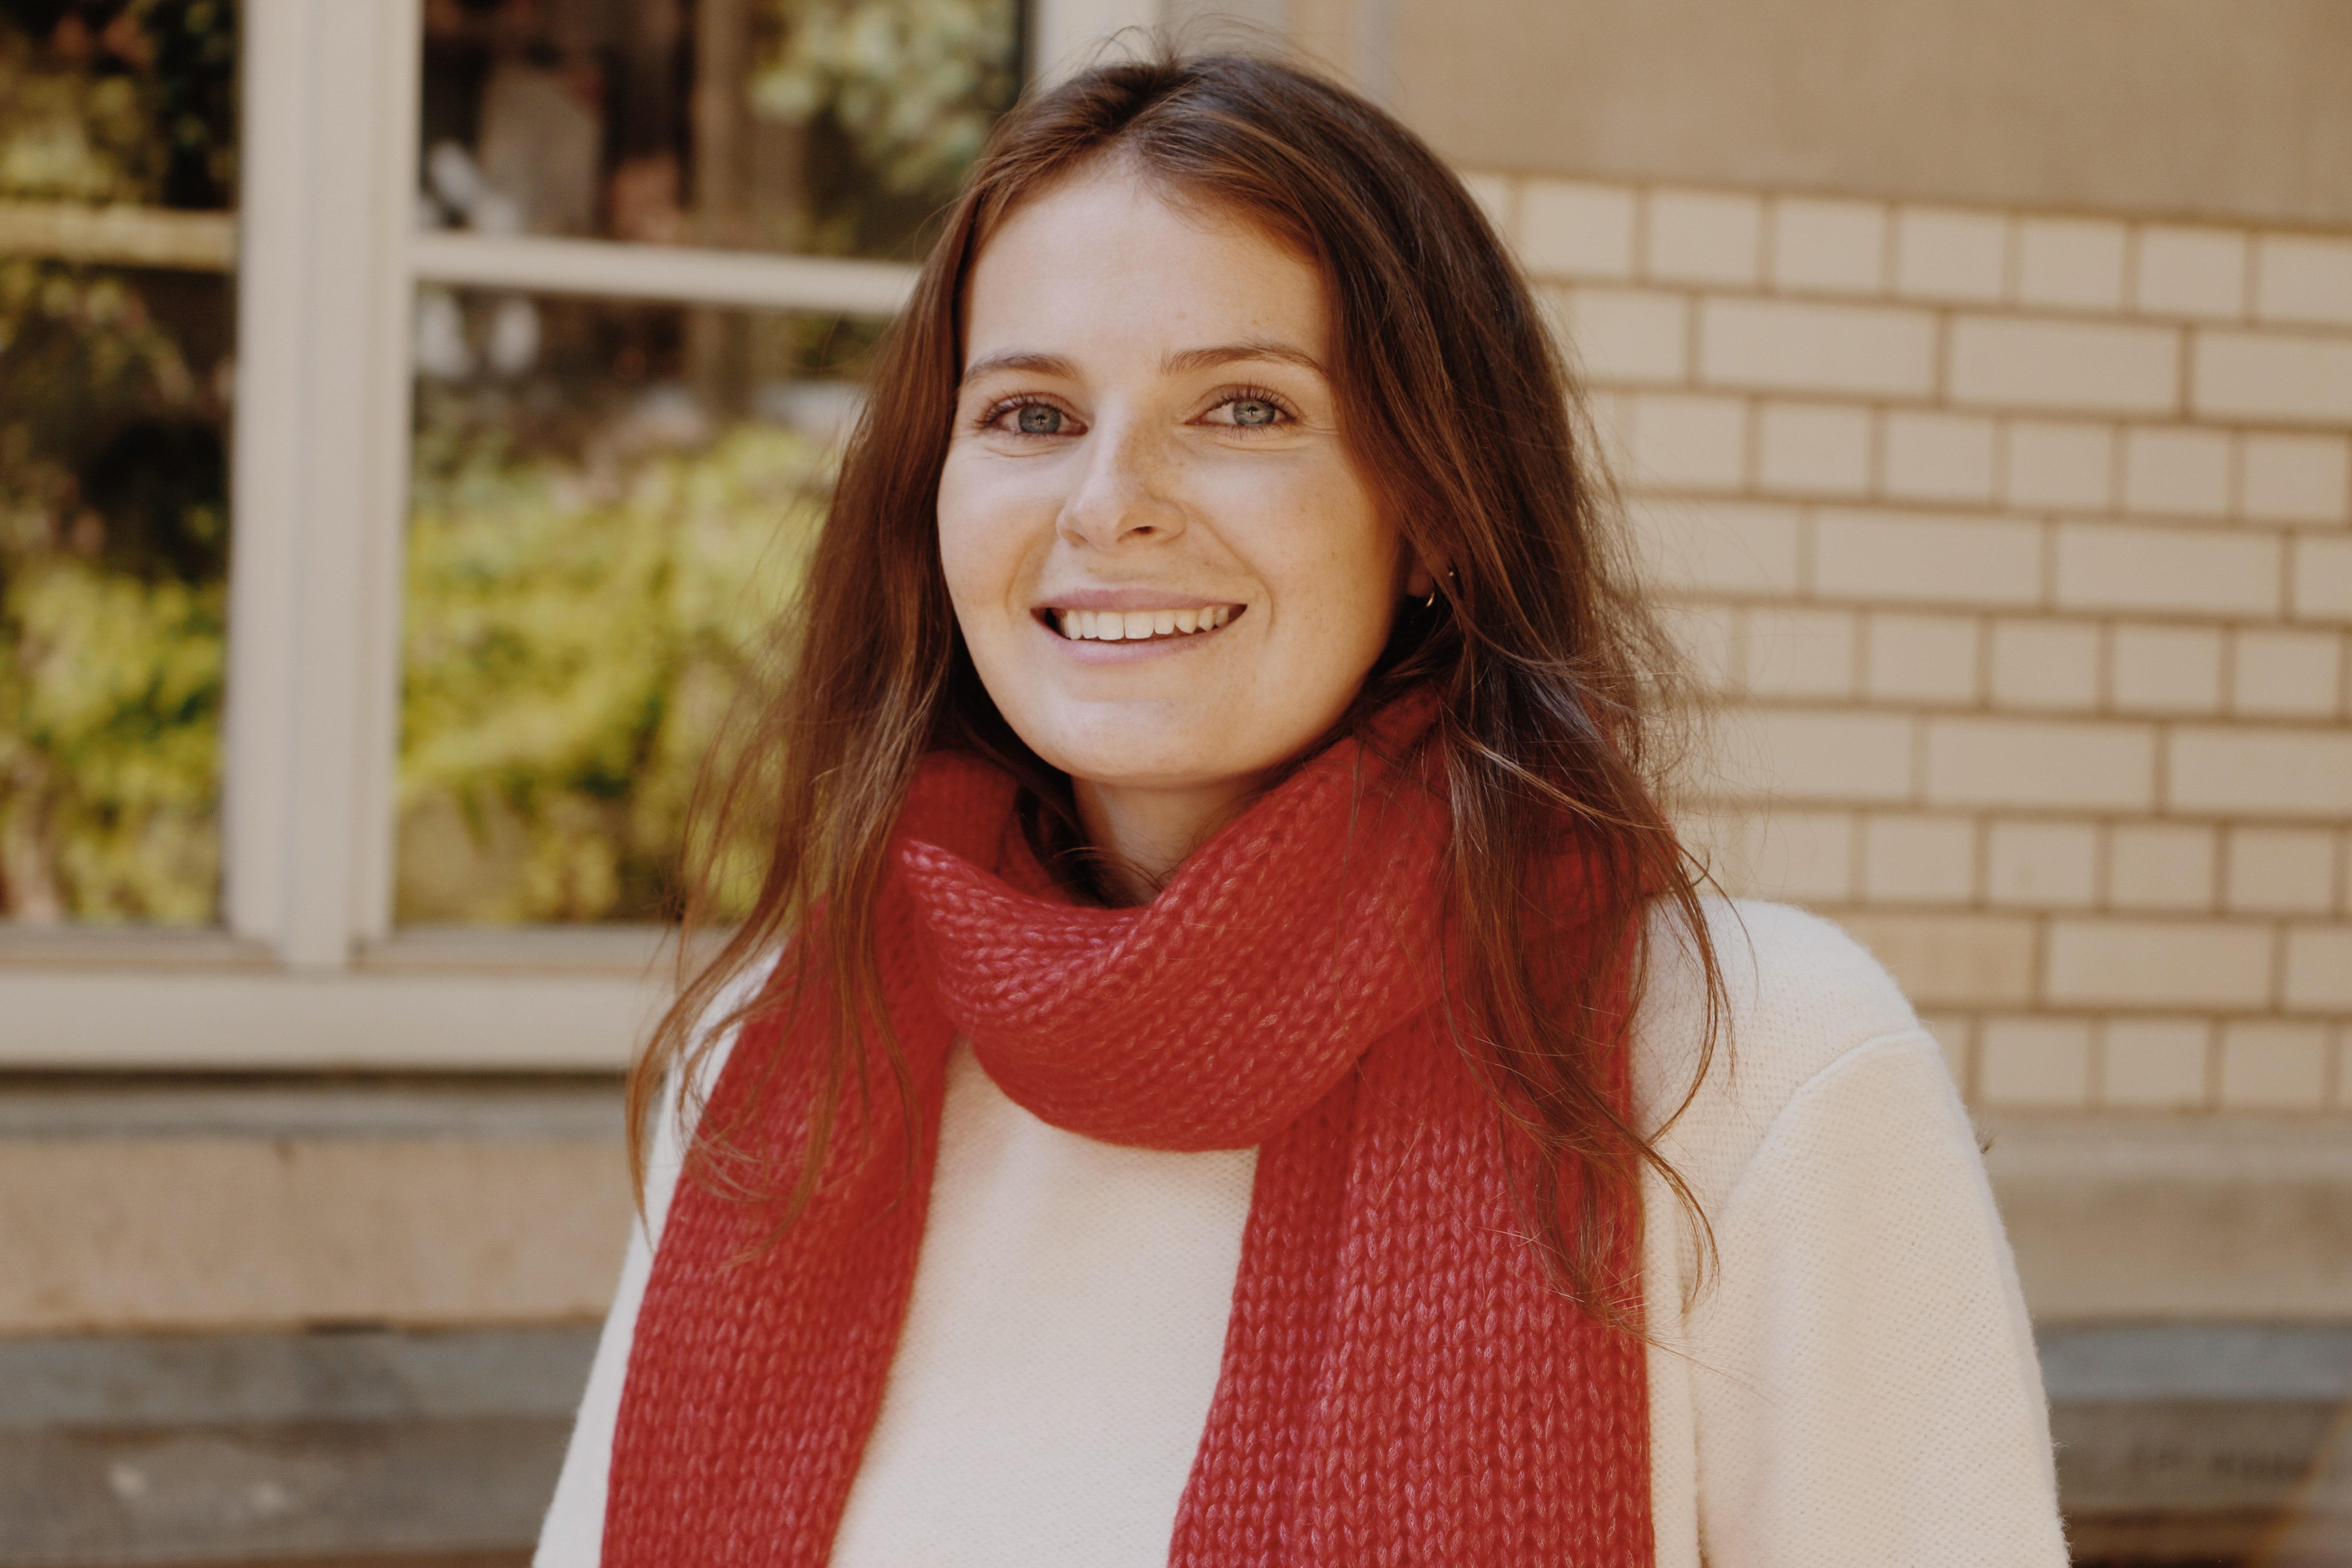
<point>1853,1387</point>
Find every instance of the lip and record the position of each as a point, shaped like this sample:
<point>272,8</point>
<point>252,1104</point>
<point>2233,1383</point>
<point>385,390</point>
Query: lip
<point>1126,599</point>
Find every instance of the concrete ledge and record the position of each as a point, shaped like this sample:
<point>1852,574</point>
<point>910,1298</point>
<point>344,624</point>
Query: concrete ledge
<point>187,1449</point>
<point>2120,1216</point>
<point>226,1208</point>
<point>240,1019</point>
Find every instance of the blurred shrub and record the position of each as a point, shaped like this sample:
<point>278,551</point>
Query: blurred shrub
<point>914,84</point>
<point>113,516</point>
<point>574,638</point>
<point>112,555</point>
<point>119,101</point>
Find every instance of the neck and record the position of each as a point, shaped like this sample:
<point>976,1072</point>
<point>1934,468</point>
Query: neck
<point>1144,833</point>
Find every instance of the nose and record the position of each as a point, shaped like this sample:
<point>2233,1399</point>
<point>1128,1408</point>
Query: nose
<point>1124,489</point>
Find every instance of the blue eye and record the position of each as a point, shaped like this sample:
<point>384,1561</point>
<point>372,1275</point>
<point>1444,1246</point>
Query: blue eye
<point>1039,420</point>
<point>1253,411</point>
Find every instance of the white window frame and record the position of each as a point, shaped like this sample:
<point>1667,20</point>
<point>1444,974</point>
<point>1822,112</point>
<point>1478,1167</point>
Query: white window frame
<point>307,972</point>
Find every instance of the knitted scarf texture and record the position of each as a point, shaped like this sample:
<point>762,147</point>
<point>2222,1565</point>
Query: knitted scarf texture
<point>1400,1383</point>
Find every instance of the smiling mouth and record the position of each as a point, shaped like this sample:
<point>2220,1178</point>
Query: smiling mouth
<point>1140,625</point>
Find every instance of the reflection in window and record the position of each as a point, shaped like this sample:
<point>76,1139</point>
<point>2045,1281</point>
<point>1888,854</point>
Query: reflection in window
<point>113,514</point>
<point>597,546</point>
<point>835,127</point>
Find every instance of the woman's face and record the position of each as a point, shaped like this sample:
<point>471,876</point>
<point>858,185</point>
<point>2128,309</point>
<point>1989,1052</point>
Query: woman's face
<point>1169,572</point>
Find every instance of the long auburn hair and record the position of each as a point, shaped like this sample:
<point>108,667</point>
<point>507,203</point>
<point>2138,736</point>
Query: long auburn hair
<point>1549,671</point>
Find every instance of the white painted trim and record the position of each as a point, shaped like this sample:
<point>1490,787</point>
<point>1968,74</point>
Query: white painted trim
<point>747,279</point>
<point>358,1022</point>
<point>388,385</point>
<point>320,445</point>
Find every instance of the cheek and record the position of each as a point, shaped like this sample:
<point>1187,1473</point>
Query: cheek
<point>1342,567</point>
<point>980,542</point>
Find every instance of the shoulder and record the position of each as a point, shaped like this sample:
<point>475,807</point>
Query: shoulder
<point>1801,1000</point>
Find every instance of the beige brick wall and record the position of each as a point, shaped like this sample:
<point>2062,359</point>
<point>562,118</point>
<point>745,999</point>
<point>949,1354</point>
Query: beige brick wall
<point>2016,545</point>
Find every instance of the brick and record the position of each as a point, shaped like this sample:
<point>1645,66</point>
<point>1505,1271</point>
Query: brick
<point>2105,566</point>
<point>1839,757</point>
<point>1805,856</point>
<point>1926,559</point>
<point>1812,448</point>
<point>2288,674</point>
<point>2004,362</point>
<point>2294,479</point>
<point>2070,465</point>
<point>1950,960</point>
<point>2190,272</point>
<point>2173,472</point>
<point>2069,263</point>
<point>1612,415</point>
<point>2274,1067</point>
<point>1703,636</point>
<point>1627,336</point>
<point>2321,579</point>
<point>2051,763</point>
<point>1570,229</point>
<point>1938,457</point>
<point>2158,963</point>
<point>1831,245</point>
<point>1726,547</point>
<point>1919,859</point>
<point>1719,835</point>
<point>2166,669</point>
<point>2271,377</point>
<point>2281,871</point>
<point>2303,278</point>
<point>2042,1064</point>
<point>2042,864</point>
<point>2319,968</point>
<point>1921,658</point>
<point>2246,771</point>
<point>1953,1034</point>
<point>2152,1064</point>
<point>1689,443</point>
<point>1942,254</point>
<point>1789,345</point>
<point>2046,664</point>
<point>1799,653</point>
<point>1705,237</point>
<point>1497,196</point>
<point>2160,866</point>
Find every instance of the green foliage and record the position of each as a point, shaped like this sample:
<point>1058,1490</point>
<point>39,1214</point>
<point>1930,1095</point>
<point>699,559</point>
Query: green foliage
<point>133,101</point>
<point>109,716</point>
<point>113,514</point>
<point>571,644</point>
<point>914,85</point>
<point>112,598</point>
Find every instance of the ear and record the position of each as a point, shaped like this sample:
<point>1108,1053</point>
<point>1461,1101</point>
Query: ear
<point>1420,580</point>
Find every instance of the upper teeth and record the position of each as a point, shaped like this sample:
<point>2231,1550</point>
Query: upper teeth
<point>1134,625</point>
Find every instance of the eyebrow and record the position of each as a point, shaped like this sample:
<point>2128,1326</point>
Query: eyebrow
<point>1175,365</point>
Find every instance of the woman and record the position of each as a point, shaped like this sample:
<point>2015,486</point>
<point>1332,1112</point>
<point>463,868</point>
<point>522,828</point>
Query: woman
<point>1240,1085</point>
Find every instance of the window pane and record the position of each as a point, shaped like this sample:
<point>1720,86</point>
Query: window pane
<point>833,127</point>
<point>609,503</point>
<point>114,387</point>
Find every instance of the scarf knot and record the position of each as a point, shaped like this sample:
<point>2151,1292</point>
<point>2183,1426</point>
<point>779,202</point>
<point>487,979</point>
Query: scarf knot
<point>1213,1016</point>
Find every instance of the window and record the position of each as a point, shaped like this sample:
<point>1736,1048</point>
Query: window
<point>509,279</point>
<point>118,166</point>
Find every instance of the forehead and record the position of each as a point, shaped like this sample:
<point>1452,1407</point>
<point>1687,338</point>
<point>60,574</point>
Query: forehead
<point>1107,256</point>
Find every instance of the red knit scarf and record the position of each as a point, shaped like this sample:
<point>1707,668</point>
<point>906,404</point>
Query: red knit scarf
<point>1400,1384</point>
